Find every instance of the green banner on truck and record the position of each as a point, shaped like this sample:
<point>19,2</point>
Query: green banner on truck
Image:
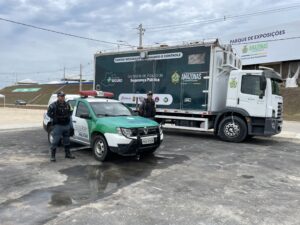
<point>178,77</point>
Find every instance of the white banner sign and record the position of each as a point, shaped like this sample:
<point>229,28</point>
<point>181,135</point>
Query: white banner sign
<point>273,44</point>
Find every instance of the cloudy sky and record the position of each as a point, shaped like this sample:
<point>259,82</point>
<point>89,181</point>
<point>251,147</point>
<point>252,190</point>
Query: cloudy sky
<point>39,55</point>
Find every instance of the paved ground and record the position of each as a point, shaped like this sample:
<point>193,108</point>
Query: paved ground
<point>192,179</point>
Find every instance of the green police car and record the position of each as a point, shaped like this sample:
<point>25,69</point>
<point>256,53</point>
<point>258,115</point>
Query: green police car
<point>108,126</point>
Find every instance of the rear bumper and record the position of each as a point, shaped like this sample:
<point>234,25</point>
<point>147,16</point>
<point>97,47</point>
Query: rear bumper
<point>135,146</point>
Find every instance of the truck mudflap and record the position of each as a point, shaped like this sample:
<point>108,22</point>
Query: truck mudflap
<point>272,126</point>
<point>264,126</point>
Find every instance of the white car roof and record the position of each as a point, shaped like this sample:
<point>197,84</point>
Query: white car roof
<point>69,97</point>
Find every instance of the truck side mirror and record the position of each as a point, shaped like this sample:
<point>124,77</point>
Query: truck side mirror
<point>263,83</point>
<point>262,94</point>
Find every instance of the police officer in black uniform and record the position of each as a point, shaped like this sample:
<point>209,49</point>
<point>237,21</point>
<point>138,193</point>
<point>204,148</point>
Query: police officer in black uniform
<point>60,112</point>
<point>147,108</point>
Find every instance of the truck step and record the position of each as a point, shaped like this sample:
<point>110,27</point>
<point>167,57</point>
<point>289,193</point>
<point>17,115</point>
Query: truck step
<point>173,126</point>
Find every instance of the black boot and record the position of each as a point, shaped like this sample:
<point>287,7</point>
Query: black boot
<point>53,159</point>
<point>68,153</point>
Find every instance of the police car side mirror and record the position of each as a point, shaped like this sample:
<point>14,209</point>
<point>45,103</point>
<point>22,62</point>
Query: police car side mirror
<point>85,116</point>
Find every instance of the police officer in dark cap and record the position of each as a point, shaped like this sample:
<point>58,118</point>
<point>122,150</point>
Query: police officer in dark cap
<point>147,108</point>
<point>60,112</point>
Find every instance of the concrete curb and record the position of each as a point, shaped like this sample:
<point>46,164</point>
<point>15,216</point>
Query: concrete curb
<point>288,134</point>
<point>19,127</point>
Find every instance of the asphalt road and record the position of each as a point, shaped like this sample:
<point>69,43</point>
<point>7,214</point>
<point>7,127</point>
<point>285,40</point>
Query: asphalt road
<point>192,179</point>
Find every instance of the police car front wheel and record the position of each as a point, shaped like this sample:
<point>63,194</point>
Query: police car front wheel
<point>100,148</point>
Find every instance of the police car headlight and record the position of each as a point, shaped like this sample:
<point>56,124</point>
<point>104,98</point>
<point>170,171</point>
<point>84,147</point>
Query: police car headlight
<point>125,131</point>
<point>119,130</point>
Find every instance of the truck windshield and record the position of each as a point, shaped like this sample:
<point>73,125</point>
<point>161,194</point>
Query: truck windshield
<point>110,109</point>
<point>275,87</point>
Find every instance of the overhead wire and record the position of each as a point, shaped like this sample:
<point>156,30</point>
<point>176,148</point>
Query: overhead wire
<point>73,68</point>
<point>62,33</point>
<point>220,19</point>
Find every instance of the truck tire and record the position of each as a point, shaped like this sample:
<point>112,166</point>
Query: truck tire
<point>100,148</point>
<point>233,129</point>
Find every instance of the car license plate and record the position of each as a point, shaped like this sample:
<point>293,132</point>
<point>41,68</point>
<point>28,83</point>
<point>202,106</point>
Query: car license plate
<point>147,141</point>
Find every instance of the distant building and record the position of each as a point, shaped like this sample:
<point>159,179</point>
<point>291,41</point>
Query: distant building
<point>26,81</point>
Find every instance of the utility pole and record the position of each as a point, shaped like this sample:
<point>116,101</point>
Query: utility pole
<point>64,73</point>
<point>80,80</point>
<point>141,33</point>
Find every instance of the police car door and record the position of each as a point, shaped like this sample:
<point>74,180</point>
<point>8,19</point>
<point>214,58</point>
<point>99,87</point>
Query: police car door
<point>81,129</point>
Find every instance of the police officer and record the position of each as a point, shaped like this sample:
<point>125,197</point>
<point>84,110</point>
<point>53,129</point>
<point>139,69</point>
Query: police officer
<point>60,112</point>
<point>147,108</point>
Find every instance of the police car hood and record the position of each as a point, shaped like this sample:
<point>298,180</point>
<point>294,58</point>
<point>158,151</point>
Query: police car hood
<point>127,121</point>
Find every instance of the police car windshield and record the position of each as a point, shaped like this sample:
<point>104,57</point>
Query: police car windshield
<point>110,109</point>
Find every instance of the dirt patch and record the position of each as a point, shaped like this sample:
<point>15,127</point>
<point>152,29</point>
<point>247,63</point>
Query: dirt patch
<point>291,103</point>
<point>16,117</point>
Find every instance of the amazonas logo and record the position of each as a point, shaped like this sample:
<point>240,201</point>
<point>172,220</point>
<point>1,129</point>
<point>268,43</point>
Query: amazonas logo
<point>233,83</point>
<point>191,76</point>
<point>175,78</point>
<point>254,48</point>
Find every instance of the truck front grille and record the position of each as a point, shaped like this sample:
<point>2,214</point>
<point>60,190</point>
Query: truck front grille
<point>279,111</point>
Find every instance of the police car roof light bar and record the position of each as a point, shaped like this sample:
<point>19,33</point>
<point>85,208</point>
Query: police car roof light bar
<point>101,94</point>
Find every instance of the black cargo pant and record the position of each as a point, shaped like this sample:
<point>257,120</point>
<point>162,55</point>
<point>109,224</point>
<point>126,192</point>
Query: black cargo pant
<point>61,131</point>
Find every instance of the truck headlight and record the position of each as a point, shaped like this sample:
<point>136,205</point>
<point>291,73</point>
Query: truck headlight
<point>125,131</point>
<point>273,113</point>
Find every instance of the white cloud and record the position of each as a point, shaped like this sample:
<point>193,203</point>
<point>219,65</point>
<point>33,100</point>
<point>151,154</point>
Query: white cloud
<point>63,4</point>
<point>164,5</point>
<point>130,3</point>
<point>27,49</point>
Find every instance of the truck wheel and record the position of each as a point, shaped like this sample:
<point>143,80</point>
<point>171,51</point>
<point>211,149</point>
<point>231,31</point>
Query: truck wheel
<point>249,137</point>
<point>232,129</point>
<point>100,148</point>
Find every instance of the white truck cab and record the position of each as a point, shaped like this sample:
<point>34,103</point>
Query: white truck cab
<point>253,95</point>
